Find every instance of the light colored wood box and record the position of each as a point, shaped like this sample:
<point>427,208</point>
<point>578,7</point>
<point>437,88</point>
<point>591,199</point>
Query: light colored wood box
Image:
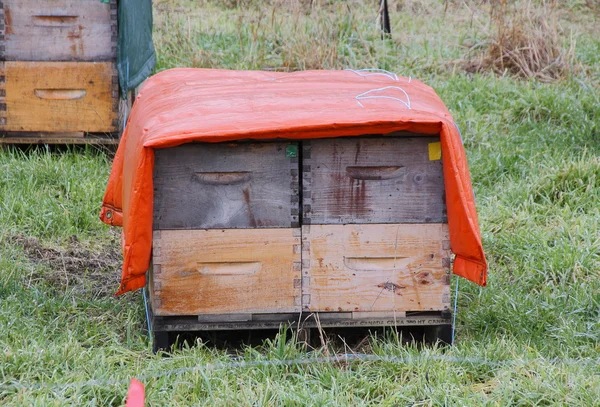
<point>391,268</point>
<point>59,97</point>
<point>221,271</point>
<point>59,30</point>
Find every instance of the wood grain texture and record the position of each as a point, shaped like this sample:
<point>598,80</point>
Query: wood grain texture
<point>59,30</point>
<point>225,271</point>
<point>239,322</point>
<point>59,138</point>
<point>375,268</point>
<point>59,97</point>
<point>372,180</point>
<point>226,185</point>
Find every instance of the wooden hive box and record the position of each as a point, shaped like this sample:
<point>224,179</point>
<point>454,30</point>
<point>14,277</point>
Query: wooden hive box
<point>374,234</point>
<point>250,235</point>
<point>227,237</point>
<point>58,76</point>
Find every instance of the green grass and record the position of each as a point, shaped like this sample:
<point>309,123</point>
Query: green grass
<point>534,154</point>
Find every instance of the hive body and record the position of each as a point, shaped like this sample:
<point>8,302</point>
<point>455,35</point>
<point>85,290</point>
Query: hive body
<point>252,234</point>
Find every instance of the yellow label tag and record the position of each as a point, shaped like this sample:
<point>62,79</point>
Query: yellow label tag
<point>435,151</point>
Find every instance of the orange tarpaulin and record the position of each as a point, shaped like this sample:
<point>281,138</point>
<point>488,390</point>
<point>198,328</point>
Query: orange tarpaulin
<point>189,105</point>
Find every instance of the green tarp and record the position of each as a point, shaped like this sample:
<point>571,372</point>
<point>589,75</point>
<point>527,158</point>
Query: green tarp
<point>135,53</point>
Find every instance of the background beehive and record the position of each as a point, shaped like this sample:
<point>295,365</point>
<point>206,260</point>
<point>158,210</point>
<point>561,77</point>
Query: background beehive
<point>58,78</point>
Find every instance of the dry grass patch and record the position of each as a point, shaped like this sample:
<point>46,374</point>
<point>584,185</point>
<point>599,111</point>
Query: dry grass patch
<point>527,41</point>
<point>77,266</point>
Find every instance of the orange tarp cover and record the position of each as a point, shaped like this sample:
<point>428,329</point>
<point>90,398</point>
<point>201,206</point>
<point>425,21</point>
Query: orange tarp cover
<point>190,105</point>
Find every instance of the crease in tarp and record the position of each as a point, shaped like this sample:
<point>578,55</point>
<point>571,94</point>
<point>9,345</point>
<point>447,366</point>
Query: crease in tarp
<point>199,105</point>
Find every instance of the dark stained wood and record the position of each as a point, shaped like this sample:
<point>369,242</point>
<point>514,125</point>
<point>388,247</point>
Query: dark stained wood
<point>58,138</point>
<point>372,180</point>
<point>59,30</point>
<point>312,320</point>
<point>226,185</point>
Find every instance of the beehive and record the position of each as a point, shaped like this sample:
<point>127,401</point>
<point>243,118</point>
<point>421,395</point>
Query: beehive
<point>249,235</point>
<point>58,79</point>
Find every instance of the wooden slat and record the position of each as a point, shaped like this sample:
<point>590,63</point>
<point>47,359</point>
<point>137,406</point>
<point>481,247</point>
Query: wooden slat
<point>375,268</point>
<point>372,180</point>
<point>226,185</point>
<point>59,30</point>
<point>58,138</point>
<point>59,97</point>
<point>226,271</point>
<point>313,320</point>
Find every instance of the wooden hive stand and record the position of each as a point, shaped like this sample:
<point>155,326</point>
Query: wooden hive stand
<point>344,232</point>
<point>58,75</point>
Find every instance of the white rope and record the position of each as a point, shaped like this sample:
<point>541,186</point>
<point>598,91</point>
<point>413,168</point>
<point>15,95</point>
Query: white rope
<point>365,95</point>
<point>459,133</point>
<point>373,72</point>
<point>455,308</point>
<point>146,308</point>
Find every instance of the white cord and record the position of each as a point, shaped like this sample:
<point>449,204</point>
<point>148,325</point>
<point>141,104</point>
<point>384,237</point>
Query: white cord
<point>364,95</point>
<point>372,72</point>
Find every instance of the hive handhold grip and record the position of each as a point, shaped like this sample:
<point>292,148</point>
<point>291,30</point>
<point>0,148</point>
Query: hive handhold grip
<point>375,173</point>
<point>376,263</point>
<point>49,20</point>
<point>235,268</point>
<point>60,94</point>
<point>223,178</point>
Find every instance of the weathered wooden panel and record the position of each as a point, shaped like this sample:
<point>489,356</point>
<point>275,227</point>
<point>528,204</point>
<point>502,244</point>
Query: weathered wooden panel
<point>375,268</point>
<point>225,271</point>
<point>372,180</point>
<point>59,97</point>
<point>57,138</point>
<point>226,185</point>
<point>59,30</point>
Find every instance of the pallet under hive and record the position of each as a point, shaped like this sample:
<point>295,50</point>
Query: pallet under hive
<point>347,231</point>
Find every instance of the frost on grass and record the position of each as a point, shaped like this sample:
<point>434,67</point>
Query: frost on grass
<point>76,267</point>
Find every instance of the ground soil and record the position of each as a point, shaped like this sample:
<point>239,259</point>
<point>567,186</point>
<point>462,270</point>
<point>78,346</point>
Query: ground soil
<point>75,265</point>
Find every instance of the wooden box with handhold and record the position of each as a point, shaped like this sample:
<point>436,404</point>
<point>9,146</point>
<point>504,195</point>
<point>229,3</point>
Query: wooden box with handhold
<point>336,232</point>
<point>60,97</point>
<point>59,30</point>
<point>372,180</point>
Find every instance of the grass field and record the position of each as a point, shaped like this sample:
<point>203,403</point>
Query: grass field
<point>531,338</point>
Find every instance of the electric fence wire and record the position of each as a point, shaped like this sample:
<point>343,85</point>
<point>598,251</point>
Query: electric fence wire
<point>336,359</point>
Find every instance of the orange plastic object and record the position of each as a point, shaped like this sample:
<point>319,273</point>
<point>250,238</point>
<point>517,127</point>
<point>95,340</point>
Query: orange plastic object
<point>188,105</point>
<point>135,394</point>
